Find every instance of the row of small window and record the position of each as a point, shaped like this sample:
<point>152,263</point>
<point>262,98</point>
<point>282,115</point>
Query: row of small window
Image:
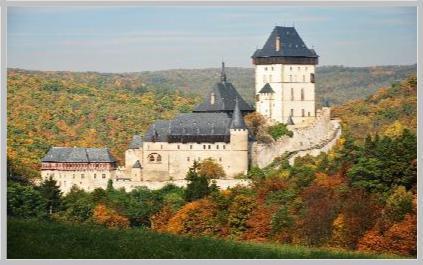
<point>190,147</point>
<point>82,176</point>
<point>290,68</point>
<point>291,79</point>
<point>199,159</point>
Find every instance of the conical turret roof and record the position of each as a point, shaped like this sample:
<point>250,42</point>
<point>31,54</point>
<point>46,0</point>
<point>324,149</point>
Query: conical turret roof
<point>237,119</point>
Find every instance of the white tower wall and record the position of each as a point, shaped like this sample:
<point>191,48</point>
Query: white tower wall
<point>287,81</point>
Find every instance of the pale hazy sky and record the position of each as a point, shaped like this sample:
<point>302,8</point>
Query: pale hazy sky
<point>130,39</point>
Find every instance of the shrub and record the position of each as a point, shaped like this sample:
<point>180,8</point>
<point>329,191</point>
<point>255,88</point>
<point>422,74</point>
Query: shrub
<point>278,130</point>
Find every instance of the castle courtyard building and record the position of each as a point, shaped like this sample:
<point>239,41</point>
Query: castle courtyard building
<point>88,168</point>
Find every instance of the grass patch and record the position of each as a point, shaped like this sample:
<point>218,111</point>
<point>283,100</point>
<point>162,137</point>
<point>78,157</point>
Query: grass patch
<point>31,239</point>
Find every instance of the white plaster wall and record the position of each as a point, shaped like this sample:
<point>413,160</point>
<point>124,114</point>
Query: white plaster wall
<point>178,157</point>
<point>90,180</point>
<point>282,78</point>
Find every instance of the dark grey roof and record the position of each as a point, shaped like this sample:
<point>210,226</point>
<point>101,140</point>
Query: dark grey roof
<point>191,127</point>
<point>78,154</point>
<point>290,121</point>
<point>266,89</point>
<point>225,95</point>
<point>136,142</point>
<point>157,132</point>
<point>237,119</point>
<point>291,45</point>
<point>137,164</point>
<point>224,98</point>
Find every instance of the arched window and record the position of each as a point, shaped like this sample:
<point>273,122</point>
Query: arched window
<point>154,158</point>
<point>302,93</point>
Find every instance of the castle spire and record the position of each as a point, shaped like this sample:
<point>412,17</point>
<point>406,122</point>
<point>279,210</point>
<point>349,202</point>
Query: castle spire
<point>237,119</point>
<point>222,73</point>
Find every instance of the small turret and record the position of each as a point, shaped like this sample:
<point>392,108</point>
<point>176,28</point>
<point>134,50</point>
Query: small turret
<point>136,171</point>
<point>238,129</point>
<point>237,119</point>
<point>134,152</point>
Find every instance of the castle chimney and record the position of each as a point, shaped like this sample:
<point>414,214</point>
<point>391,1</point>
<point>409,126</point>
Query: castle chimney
<point>278,43</point>
<point>212,98</point>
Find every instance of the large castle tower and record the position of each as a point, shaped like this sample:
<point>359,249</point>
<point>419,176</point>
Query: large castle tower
<point>284,78</point>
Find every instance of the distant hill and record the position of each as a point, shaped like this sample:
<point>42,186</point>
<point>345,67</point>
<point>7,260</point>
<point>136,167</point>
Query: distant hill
<point>334,83</point>
<point>103,109</point>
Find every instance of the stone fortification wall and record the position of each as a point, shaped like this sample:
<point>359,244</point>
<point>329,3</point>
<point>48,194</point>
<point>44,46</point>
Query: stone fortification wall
<point>154,185</point>
<point>308,138</point>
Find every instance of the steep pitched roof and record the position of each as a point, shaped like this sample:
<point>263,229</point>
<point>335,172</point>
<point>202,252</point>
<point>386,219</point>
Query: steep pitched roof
<point>136,142</point>
<point>266,89</point>
<point>222,98</point>
<point>291,45</point>
<point>237,119</point>
<point>78,155</point>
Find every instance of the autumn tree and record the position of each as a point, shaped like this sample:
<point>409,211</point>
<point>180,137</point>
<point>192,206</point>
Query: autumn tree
<point>255,122</point>
<point>211,169</point>
<point>195,218</point>
<point>109,217</point>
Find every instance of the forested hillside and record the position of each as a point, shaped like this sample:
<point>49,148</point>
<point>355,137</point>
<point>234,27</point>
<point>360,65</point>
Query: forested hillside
<point>386,112</point>
<point>100,109</point>
<point>46,110</point>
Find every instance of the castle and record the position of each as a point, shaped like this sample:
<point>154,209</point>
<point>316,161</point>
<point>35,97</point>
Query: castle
<point>284,84</point>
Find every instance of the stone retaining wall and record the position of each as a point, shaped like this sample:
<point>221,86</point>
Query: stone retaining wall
<point>306,138</point>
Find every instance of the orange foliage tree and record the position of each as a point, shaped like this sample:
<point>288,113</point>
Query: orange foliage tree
<point>400,238</point>
<point>109,217</point>
<point>195,218</point>
<point>160,220</point>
